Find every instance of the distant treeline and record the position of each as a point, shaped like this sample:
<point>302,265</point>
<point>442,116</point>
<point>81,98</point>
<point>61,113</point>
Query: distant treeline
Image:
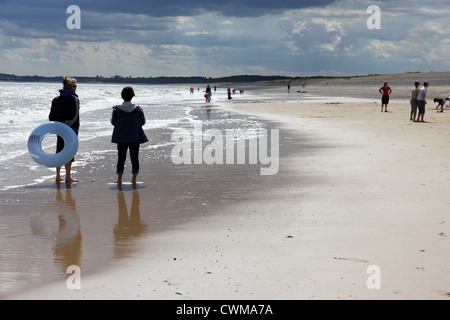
<point>149,80</point>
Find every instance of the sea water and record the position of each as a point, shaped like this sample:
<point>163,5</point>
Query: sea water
<point>30,237</point>
<point>24,106</point>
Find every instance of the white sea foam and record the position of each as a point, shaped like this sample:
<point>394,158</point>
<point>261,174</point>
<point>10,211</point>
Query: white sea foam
<point>24,106</point>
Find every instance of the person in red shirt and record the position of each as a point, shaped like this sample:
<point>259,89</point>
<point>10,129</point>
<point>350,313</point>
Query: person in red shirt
<point>385,91</point>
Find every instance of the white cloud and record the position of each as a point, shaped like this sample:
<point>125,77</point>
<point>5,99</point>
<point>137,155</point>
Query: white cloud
<point>381,49</point>
<point>196,33</point>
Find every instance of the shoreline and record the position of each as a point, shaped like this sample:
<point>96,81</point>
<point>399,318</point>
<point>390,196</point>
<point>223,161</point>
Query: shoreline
<point>351,194</point>
<point>171,196</point>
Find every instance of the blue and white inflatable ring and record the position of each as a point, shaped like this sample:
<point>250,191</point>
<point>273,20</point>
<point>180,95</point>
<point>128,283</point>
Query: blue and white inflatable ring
<point>53,160</point>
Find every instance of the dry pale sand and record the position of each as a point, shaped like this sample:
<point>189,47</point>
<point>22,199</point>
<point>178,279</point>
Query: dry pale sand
<point>367,189</point>
<point>381,201</point>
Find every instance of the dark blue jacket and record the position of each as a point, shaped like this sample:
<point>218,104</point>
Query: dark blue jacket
<point>128,126</point>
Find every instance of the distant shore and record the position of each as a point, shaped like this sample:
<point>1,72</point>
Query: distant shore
<point>147,80</point>
<point>253,80</point>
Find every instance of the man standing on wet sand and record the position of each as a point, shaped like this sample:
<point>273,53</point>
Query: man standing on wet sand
<point>66,109</point>
<point>413,101</point>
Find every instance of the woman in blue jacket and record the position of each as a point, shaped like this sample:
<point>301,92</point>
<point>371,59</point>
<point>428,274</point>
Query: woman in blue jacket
<point>128,120</point>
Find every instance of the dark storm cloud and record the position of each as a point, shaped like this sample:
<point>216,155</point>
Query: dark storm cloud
<point>159,8</point>
<point>47,18</point>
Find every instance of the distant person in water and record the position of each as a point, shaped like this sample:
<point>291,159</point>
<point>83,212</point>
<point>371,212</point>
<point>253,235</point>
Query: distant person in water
<point>208,93</point>
<point>386,91</point>
<point>66,109</point>
<point>128,120</point>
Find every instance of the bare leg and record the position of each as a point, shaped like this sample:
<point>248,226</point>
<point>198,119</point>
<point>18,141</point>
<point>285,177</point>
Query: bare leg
<point>58,175</point>
<point>119,179</point>
<point>133,181</point>
<point>69,173</point>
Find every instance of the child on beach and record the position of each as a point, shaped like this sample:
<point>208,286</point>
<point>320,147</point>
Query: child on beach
<point>440,102</point>
<point>385,90</point>
<point>128,120</point>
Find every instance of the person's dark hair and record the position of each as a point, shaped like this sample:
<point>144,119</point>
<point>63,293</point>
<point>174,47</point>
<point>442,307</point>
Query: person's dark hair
<point>425,83</point>
<point>417,83</point>
<point>127,94</point>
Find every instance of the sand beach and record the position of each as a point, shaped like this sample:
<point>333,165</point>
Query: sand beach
<point>357,190</point>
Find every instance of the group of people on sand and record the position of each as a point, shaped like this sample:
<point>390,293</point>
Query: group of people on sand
<point>418,100</point>
<point>127,119</point>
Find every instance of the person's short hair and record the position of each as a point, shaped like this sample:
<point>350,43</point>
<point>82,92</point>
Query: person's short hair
<point>127,93</point>
<point>417,83</point>
<point>426,83</point>
<point>69,83</point>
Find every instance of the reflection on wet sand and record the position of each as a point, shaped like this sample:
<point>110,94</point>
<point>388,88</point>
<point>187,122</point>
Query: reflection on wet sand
<point>129,226</point>
<point>63,224</point>
<point>208,112</point>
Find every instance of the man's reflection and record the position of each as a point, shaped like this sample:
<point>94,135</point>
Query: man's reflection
<point>68,242</point>
<point>60,221</point>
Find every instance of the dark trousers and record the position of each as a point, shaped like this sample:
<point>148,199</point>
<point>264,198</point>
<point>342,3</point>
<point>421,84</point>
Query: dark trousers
<point>134,155</point>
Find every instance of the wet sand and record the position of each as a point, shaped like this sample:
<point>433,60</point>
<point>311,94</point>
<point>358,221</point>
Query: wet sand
<point>96,226</point>
<point>356,188</point>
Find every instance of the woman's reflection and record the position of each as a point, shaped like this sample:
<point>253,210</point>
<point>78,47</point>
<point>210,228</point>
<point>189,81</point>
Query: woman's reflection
<point>128,226</point>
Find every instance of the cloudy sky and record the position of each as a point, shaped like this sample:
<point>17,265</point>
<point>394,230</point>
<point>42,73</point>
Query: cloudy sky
<point>216,38</point>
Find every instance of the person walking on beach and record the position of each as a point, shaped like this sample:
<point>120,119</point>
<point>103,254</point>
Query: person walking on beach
<point>413,101</point>
<point>128,120</point>
<point>385,90</point>
<point>229,94</point>
<point>422,101</point>
<point>66,109</point>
